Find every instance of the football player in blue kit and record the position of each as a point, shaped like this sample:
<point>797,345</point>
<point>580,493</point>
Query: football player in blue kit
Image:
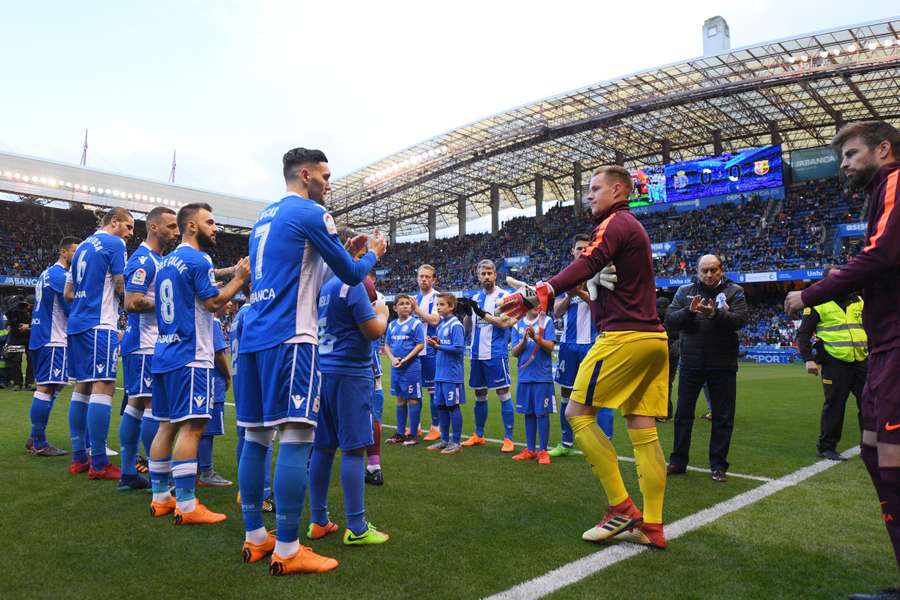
<point>534,338</point>
<point>489,366</point>
<point>449,370</point>
<point>48,346</point>
<point>425,309</point>
<point>374,475</point>
<point>348,323</point>
<point>293,246</point>
<point>139,342</point>
<point>579,333</point>
<point>405,340</point>
<point>221,378</point>
<point>95,286</point>
<point>186,298</point>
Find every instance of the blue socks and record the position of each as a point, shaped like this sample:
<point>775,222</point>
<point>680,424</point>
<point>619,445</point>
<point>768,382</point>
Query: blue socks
<point>353,481</point>
<point>99,409</point>
<point>508,413</point>
<point>184,472</point>
<point>252,473</point>
<point>481,414</point>
<point>435,411</point>
<point>149,427</point>
<point>444,416</point>
<point>41,404</point>
<point>129,435</point>
<point>543,423</point>
<point>456,423</point>
<point>401,420</point>
<point>415,417</point>
<point>319,479</point>
<point>290,488</point>
<point>605,418</point>
<point>568,437</point>
<point>78,409</point>
<point>204,453</point>
<point>530,431</point>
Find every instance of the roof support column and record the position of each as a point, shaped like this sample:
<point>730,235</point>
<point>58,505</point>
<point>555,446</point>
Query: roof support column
<point>392,231</point>
<point>461,214</point>
<point>432,224</point>
<point>576,188</point>
<point>717,142</point>
<point>620,158</point>
<point>495,208</point>
<point>666,150</point>
<point>774,134</point>
<point>539,196</point>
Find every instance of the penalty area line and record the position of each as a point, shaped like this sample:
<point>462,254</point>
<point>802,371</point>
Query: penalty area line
<point>591,564</point>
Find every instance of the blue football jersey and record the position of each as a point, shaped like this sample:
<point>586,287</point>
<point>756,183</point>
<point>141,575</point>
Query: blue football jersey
<point>402,336</point>
<point>535,367</point>
<point>219,344</point>
<point>51,311</point>
<point>429,303</point>
<point>237,327</point>
<point>184,280</point>
<point>489,341</point>
<point>94,263</point>
<point>140,273</point>
<point>293,245</point>
<point>448,365</point>
<point>578,326</point>
<point>343,349</point>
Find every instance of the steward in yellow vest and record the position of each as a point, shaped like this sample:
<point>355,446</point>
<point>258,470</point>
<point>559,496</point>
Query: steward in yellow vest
<point>841,349</point>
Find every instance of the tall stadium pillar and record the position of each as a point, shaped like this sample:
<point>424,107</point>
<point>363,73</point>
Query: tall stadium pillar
<point>495,208</point>
<point>432,224</point>
<point>539,196</point>
<point>620,158</point>
<point>576,188</point>
<point>666,151</point>
<point>774,134</point>
<point>392,231</point>
<point>717,142</point>
<point>461,214</point>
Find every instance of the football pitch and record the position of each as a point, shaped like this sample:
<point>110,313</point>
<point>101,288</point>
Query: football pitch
<point>476,524</point>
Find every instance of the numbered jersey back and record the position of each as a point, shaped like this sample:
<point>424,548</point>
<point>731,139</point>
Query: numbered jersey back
<point>184,280</point>
<point>95,262</point>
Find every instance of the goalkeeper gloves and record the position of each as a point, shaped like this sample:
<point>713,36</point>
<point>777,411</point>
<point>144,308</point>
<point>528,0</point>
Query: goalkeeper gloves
<point>606,278</point>
<point>526,298</point>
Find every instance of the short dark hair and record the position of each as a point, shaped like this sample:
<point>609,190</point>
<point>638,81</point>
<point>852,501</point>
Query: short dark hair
<point>400,297</point>
<point>580,237</point>
<point>186,212</point>
<point>448,298</point>
<point>120,214</point>
<point>871,133</point>
<point>155,215</point>
<point>297,157</point>
<point>617,173</point>
<point>68,241</point>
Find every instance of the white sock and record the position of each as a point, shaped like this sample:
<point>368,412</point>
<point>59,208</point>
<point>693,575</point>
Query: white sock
<point>186,506</point>
<point>373,468</point>
<point>257,536</point>
<point>161,497</point>
<point>287,549</point>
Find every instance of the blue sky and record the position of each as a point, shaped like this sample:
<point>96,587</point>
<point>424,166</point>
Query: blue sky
<point>232,85</point>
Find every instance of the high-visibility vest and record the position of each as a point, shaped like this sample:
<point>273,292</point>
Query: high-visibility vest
<point>841,331</point>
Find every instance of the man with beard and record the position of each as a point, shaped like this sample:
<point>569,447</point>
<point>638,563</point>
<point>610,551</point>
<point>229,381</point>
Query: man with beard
<point>185,299</point>
<point>139,342</point>
<point>869,153</point>
<point>708,314</point>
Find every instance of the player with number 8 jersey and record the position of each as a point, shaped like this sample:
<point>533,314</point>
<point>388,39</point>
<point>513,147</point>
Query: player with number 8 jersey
<point>293,247</point>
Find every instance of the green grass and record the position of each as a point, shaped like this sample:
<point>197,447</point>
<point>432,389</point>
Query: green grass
<point>468,525</point>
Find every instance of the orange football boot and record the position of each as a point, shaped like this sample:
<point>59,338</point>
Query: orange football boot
<point>305,561</point>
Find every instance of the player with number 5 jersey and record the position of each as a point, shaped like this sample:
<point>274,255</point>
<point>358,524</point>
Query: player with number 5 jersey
<point>294,247</point>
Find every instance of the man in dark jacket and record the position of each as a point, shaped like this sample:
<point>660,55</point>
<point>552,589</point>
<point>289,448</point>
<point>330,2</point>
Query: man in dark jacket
<point>19,324</point>
<point>662,305</point>
<point>709,314</point>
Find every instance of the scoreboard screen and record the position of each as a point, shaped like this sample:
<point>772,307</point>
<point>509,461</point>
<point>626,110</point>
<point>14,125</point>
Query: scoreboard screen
<point>745,171</point>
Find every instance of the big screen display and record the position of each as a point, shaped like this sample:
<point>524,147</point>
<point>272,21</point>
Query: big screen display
<point>745,171</point>
<point>649,186</point>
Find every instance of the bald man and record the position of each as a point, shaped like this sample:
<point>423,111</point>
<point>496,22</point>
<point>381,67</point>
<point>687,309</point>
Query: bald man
<point>708,314</point>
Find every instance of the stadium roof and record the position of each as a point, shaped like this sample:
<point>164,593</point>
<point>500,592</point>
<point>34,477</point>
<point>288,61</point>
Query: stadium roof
<point>794,89</point>
<point>41,180</point>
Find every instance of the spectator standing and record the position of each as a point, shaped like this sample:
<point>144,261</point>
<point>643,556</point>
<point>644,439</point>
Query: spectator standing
<point>842,350</point>
<point>708,313</point>
<point>19,325</point>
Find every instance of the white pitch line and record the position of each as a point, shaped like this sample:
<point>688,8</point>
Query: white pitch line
<point>591,564</point>
<point>631,460</point>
